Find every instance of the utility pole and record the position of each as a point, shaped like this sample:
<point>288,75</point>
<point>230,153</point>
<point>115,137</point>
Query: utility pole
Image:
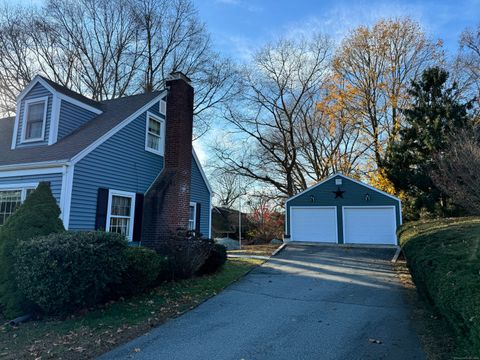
<point>240,222</point>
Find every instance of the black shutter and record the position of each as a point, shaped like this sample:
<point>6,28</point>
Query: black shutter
<point>197,219</point>
<point>137,224</point>
<point>102,208</point>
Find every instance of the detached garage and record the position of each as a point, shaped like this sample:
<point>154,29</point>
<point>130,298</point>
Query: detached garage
<point>342,210</point>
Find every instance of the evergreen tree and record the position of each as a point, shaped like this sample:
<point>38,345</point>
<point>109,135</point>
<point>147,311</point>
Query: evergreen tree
<point>37,216</point>
<point>431,123</point>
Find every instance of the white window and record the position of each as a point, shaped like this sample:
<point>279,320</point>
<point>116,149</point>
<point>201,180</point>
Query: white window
<point>121,211</point>
<point>192,218</point>
<point>163,107</point>
<point>155,134</point>
<point>11,198</point>
<point>34,119</point>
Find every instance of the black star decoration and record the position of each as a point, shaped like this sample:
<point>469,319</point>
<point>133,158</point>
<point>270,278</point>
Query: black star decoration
<point>338,193</point>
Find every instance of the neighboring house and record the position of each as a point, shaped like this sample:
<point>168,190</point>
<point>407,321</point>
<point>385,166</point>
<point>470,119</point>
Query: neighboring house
<point>125,165</point>
<point>345,211</point>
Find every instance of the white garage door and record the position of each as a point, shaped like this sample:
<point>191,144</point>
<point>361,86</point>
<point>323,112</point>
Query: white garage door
<point>369,225</point>
<point>313,224</point>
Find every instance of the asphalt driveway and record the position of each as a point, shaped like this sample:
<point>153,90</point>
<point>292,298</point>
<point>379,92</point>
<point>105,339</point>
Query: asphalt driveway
<point>306,303</point>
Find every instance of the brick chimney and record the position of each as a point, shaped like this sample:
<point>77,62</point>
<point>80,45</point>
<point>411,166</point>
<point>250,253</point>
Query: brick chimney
<point>166,205</point>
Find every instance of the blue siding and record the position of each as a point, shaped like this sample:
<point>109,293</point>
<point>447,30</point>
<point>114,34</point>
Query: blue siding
<point>354,195</point>
<point>199,193</point>
<point>37,91</point>
<point>72,117</point>
<point>54,179</point>
<point>120,163</point>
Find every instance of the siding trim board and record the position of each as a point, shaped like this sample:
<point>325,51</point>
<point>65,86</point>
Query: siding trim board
<point>195,157</point>
<point>55,122</point>
<point>38,79</point>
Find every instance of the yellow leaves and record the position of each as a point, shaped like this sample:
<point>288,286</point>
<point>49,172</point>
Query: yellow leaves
<point>379,180</point>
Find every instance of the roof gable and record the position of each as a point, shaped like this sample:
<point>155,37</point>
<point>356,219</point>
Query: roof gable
<point>116,114</point>
<point>347,178</point>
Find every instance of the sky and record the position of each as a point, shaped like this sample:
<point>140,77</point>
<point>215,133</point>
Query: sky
<point>239,27</point>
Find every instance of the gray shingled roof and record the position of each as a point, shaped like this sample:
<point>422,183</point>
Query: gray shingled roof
<point>114,112</point>
<point>70,93</point>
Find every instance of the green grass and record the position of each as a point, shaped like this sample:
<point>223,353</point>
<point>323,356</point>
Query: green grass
<point>444,260</point>
<point>87,335</point>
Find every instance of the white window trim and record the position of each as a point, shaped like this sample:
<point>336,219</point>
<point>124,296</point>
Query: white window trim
<point>43,99</point>
<point>194,204</point>
<point>130,195</point>
<point>161,150</point>
<point>23,187</point>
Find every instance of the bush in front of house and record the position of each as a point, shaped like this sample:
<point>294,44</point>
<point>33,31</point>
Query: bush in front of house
<point>186,253</point>
<point>216,259</point>
<point>64,272</point>
<point>37,216</point>
<point>144,267</point>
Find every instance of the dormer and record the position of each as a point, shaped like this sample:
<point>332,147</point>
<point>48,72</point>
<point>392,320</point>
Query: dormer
<point>46,112</point>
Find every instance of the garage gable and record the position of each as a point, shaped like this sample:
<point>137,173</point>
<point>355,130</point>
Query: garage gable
<point>347,194</point>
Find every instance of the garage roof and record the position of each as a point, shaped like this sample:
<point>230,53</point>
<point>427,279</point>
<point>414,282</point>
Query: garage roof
<point>348,178</point>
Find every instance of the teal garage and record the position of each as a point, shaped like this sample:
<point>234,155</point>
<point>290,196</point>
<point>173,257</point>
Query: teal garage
<point>342,210</point>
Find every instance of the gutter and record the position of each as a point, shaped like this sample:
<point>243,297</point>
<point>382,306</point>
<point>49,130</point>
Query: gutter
<point>34,165</point>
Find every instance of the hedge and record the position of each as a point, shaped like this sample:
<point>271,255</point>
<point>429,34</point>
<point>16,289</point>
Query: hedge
<point>216,259</point>
<point>444,260</point>
<point>64,272</point>
<point>144,268</point>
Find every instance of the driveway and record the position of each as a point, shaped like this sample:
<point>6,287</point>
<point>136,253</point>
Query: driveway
<point>309,302</point>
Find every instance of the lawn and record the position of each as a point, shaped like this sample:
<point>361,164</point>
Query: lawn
<point>444,260</point>
<point>94,332</point>
<point>262,250</point>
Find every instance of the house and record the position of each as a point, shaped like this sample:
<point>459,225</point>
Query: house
<point>125,165</point>
<point>342,210</point>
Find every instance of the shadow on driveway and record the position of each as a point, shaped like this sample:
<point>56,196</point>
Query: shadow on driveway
<point>309,302</point>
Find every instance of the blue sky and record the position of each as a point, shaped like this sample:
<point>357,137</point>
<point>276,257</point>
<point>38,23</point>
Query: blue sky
<point>240,26</point>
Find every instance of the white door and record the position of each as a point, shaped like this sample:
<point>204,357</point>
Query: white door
<point>313,224</point>
<point>369,225</point>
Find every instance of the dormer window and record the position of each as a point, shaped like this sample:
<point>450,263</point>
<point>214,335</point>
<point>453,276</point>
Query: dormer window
<point>34,120</point>
<point>155,134</point>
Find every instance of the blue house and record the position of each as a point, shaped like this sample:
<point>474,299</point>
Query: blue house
<point>125,165</point>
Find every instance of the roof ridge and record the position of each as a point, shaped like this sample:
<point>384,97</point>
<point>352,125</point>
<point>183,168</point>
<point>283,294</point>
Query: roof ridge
<point>71,93</point>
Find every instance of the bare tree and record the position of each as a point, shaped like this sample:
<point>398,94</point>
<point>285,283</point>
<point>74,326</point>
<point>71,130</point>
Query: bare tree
<point>467,66</point>
<point>105,51</point>
<point>272,116</point>
<point>228,188</point>
<point>378,64</point>
<point>458,173</point>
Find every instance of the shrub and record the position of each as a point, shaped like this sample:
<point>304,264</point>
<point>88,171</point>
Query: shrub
<point>61,273</point>
<point>186,253</point>
<point>216,259</point>
<point>444,259</point>
<point>39,215</point>
<point>144,266</point>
